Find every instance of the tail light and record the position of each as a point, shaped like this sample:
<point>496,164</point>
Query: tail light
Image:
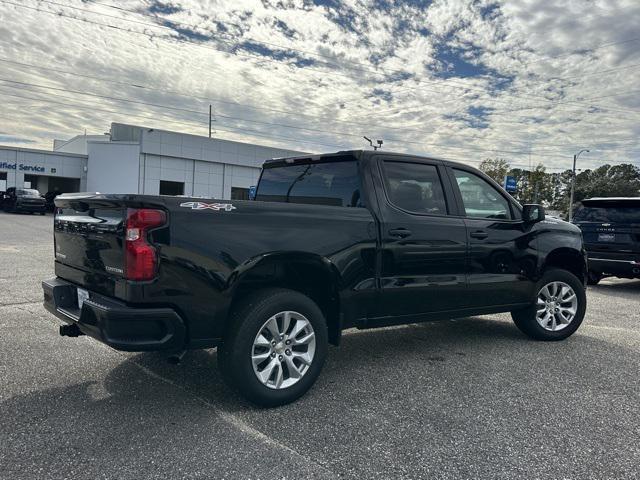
<point>141,259</point>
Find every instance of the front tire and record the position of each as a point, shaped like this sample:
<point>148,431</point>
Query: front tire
<point>558,309</point>
<point>275,346</point>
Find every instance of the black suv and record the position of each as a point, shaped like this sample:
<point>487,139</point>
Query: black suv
<point>611,230</point>
<point>24,200</point>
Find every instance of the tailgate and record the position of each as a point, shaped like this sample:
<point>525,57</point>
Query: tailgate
<point>610,237</point>
<point>89,237</point>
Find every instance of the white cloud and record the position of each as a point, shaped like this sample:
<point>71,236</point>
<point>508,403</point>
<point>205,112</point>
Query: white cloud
<point>456,79</point>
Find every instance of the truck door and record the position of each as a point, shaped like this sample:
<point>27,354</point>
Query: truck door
<point>502,248</point>
<point>423,245</point>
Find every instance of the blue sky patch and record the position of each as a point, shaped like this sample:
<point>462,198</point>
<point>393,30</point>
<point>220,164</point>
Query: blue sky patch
<point>265,51</point>
<point>187,33</point>
<point>479,116</point>
<point>456,62</point>
<point>163,8</point>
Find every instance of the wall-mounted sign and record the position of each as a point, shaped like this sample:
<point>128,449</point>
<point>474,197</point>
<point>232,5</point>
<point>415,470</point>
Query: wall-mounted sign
<point>510,184</point>
<point>22,167</point>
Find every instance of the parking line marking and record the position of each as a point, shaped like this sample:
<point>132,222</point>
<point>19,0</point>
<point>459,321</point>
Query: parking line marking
<point>230,418</point>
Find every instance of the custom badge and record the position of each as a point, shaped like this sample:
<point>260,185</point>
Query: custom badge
<point>227,207</point>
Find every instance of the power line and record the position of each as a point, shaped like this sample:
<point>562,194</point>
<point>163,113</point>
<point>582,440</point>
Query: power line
<point>306,52</point>
<point>400,141</point>
<point>282,47</point>
<point>231,129</point>
<point>80,19</point>
<point>260,58</point>
<point>210,99</point>
<point>228,128</point>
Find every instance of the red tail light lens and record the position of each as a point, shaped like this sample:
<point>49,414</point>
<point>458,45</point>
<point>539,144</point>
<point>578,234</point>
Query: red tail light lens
<point>141,259</point>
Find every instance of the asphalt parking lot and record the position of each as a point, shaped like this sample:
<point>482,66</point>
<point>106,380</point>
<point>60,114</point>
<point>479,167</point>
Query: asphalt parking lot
<point>468,398</point>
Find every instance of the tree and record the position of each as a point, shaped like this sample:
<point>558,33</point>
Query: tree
<point>608,181</point>
<point>496,168</point>
<point>534,186</point>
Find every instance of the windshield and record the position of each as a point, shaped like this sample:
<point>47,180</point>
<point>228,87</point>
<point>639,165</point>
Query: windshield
<point>28,192</point>
<point>608,214</point>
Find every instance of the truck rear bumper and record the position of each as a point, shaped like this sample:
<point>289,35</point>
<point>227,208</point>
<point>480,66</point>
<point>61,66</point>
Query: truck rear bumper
<point>617,267</point>
<point>114,323</point>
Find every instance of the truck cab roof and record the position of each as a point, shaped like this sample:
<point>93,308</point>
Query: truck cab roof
<point>360,154</point>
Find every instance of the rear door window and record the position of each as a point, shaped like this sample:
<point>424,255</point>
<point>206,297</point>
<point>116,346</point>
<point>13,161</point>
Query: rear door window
<point>415,187</point>
<point>331,183</point>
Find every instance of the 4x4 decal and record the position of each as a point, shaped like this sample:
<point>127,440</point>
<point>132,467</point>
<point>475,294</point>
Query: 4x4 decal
<point>227,207</point>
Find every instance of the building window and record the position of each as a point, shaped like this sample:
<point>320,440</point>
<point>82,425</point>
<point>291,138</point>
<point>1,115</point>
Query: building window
<point>239,193</point>
<point>171,188</point>
<point>3,181</point>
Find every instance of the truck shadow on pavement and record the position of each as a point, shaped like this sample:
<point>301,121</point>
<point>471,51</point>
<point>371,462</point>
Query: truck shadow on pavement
<point>414,356</point>
<point>428,378</point>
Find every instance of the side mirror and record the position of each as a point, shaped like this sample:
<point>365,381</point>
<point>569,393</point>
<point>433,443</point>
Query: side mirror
<point>533,213</point>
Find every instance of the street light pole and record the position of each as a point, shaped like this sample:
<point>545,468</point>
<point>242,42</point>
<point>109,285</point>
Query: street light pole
<point>573,183</point>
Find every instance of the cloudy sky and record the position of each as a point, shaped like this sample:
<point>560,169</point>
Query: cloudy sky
<point>527,80</point>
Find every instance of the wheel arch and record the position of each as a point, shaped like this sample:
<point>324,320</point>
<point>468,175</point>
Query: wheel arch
<point>310,274</point>
<point>568,259</point>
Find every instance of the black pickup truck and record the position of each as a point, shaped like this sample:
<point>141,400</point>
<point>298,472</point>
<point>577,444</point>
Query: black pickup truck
<point>350,239</point>
<point>24,200</point>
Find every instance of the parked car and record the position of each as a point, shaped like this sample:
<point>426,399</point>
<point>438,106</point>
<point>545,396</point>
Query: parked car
<point>24,200</point>
<point>351,239</point>
<point>611,230</point>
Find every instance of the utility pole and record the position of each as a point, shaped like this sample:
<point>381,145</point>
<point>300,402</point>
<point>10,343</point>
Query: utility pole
<point>209,120</point>
<point>573,183</point>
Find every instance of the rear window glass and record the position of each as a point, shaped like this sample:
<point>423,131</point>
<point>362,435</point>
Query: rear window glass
<point>608,214</point>
<point>334,183</point>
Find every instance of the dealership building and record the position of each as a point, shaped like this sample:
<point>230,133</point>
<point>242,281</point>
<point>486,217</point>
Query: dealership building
<point>134,159</point>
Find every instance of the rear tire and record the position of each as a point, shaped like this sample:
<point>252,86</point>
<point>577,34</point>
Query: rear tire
<point>270,370</point>
<point>533,320</point>
<point>593,278</point>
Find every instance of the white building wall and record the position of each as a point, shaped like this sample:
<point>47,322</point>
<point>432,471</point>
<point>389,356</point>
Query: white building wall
<point>113,167</point>
<point>78,144</point>
<point>53,164</point>
<point>140,158</point>
<point>208,167</point>
<point>208,180</point>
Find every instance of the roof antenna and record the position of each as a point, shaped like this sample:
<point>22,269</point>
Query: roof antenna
<point>375,147</point>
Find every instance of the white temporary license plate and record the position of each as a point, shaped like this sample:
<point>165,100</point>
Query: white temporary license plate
<point>82,296</point>
<point>606,237</point>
